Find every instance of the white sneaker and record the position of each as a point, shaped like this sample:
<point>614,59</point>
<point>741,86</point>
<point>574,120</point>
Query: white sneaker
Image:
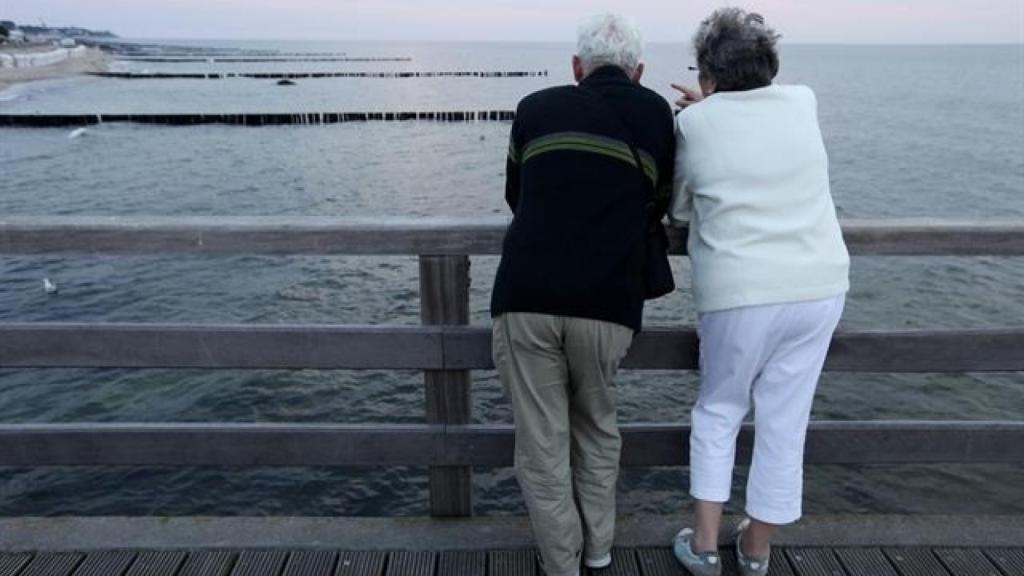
<point>598,563</point>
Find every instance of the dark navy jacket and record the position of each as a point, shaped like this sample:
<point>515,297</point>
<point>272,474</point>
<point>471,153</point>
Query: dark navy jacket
<point>576,243</point>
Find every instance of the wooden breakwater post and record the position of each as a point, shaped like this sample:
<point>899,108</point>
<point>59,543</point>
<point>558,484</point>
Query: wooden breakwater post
<point>232,59</point>
<point>256,119</point>
<point>301,75</point>
<point>444,300</point>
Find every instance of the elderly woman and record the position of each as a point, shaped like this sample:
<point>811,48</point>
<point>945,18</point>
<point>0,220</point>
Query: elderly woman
<point>770,274</point>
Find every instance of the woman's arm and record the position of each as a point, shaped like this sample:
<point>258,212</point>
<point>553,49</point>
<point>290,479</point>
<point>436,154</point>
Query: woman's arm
<point>681,207</point>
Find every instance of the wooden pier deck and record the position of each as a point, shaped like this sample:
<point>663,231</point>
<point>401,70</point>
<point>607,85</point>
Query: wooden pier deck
<point>653,561</point>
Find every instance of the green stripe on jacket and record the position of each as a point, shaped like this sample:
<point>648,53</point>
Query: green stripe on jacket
<point>583,142</point>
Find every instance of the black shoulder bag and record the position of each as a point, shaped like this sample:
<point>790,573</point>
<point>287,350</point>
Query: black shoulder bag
<point>658,280</point>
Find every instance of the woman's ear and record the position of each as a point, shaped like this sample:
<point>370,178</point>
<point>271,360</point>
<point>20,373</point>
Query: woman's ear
<point>707,85</point>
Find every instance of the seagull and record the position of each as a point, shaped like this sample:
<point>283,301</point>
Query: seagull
<point>49,287</point>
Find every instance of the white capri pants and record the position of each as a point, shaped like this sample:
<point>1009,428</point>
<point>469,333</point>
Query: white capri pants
<point>775,354</point>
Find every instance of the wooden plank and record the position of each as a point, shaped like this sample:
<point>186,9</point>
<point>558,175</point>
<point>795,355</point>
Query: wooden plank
<point>248,235</point>
<point>157,563</point>
<point>512,563</point>
<point>624,563</point>
<point>220,347</point>
<point>203,444</point>
<point>1009,560</point>
<point>109,563</point>
<point>779,564</point>
<point>933,237</point>
<point>240,444</point>
<point>865,562</point>
<point>916,237</point>
<point>405,563</point>
<point>966,562</point>
<point>662,348</point>
<point>11,564</point>
<point>53,564</point>
<point>451,491</point>
<point>450,351</point>
<point>814,562</point>
<point>842,442</point>
<point>311,563</point>
<point>659,562</point>
<point>444,290</point>
<point>654,348</point>
<point>915,442</point>
<point>260,563</point>
<point>729,565</point>
<point>462,563</point>
<point>444,299</point>
<point>927,351</point>
<point>209,563</point>
<point>354,563</point>
<point>915,561</point>
<point>319,235</point>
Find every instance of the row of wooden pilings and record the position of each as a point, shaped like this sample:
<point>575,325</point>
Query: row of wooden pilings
<point>155,52</point>
<point>268,119</point>
<point>233,59</point>
<point>299,75</point>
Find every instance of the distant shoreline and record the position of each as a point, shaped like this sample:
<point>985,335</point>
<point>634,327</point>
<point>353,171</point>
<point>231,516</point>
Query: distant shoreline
<point>91,60</point>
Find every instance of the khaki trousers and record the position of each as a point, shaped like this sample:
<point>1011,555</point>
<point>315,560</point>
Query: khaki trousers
<point>557,372</point>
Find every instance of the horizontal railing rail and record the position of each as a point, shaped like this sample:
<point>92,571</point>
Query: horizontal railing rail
<point>217,235</point>
<point>290,444</point>
<point>354,347</point>
<point>446,348</point>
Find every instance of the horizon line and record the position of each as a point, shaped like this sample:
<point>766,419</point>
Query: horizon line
<point>472,41</point>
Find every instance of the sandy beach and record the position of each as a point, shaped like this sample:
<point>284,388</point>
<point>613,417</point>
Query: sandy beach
<point>93,60</point>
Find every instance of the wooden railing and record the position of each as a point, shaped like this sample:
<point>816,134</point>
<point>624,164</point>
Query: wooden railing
<point>446,348</point>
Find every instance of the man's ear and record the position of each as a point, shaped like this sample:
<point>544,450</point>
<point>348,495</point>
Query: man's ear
<point>577,69</point>
<point>639,73</point>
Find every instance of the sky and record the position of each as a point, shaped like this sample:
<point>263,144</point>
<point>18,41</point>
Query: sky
<point>800,21</point>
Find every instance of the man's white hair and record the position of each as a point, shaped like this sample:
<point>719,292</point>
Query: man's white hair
<point>609,39</point>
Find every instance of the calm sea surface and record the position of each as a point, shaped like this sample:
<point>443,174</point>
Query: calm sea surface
<point>911,131</point>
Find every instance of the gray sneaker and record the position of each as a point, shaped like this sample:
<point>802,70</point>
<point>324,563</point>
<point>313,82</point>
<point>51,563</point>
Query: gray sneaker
<point>699,564</point>
<point>748,566</point>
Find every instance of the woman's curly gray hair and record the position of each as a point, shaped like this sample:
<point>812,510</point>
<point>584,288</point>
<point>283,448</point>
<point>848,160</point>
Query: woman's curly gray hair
<point>736,50</point>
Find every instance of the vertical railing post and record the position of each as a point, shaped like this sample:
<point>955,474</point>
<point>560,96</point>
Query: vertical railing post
<point>444,299</point>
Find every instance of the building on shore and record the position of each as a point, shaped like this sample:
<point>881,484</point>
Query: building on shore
<point>65,37</point>
<point>11,34</point>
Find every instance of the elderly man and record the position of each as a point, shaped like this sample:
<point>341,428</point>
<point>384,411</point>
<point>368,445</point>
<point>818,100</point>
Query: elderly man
<point>569,292</point>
